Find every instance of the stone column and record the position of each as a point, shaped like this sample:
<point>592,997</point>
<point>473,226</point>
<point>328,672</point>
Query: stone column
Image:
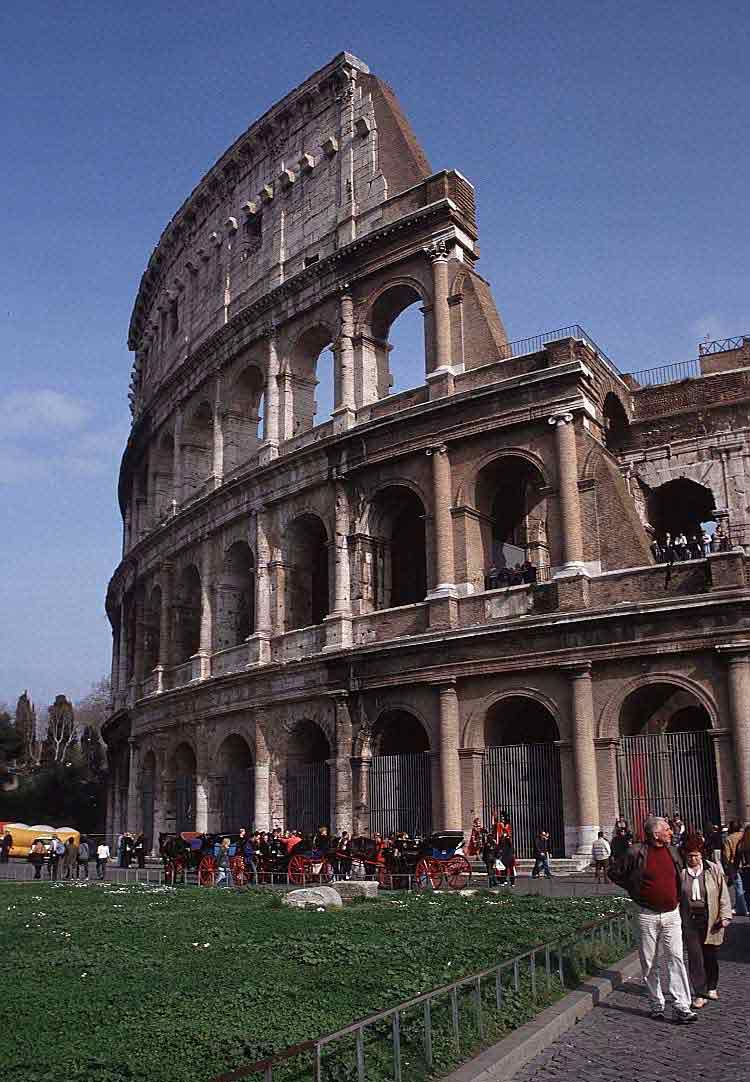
<point>202,660</point>
<point>258,642</point>
<point>344,414</point>
<point>115,671</point>
<point>109,824</point>
<point>450,767</point>
<point>570,503</point>
<point>116,812</point>
<point>286,406</point>
<point>440,378</point>
<point>202,780</point>
<point>738,661</point>
<point>122,654</point>
<point>138,645</point>
<point>177,460</point>
<point>133,820</point>
<point>343,810</point>
<point>262,809</point>
<point>218,441</point>
<point>339,622</point>
<point>127,529</point>
<point>584,754</point>
<point>442,521</point>
<point>271,404</point>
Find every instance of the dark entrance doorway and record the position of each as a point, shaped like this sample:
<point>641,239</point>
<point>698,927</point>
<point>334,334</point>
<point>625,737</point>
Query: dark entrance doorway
<point>308,786</point>
<point>400,789</point>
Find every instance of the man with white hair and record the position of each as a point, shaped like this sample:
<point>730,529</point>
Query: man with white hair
<point>650,873</point>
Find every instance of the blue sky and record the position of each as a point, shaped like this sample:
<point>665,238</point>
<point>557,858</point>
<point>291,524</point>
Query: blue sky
<point>608,143</point>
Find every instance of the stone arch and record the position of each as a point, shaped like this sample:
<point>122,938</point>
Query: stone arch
<point>680,506</point>
<point>466,491</point>
<point>307,794</point>
<point>235,596</point>
<point>162,475</point>
<point>235,783</point>
<point>152,628</point>
<point>302,375</point>
<point>243,413</point>
<point>187,614</point>
<point>196,448</point>
<point>399,772</point>
<point>472,735</point>
<point>391,555</point>
<point>184,770</point>
<point>381,369</point>
<point>399,730</point>
<point>306,571</point>
<point>609,718</point>
<point>616,422</point>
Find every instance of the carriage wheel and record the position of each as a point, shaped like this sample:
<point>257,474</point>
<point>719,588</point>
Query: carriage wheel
<point>385,878</point>
<point>359,869</point>
<point>326,872</point>
<point>237,868</point>
<point>457,872</point>
<point>428,874</point>
<point>298,871</point>
<point>207,872</point>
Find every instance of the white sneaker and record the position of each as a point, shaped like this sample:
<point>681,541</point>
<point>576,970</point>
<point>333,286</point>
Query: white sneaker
<point>713,994</point>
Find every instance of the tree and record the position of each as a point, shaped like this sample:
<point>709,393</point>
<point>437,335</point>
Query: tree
<point>11,746</point>
<point>61,731</point>
<point>26,726</point>
<point>91,713</point>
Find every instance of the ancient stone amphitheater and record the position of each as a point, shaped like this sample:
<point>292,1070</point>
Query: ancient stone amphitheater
<point>436,602</point>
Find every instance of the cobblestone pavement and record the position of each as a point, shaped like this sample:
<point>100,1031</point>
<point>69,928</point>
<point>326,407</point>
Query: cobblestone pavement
<point>618,1040</point>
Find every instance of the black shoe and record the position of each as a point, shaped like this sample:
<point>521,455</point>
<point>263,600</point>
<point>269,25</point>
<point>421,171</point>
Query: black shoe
<point>684,1018</point>
<point>656,1015</point>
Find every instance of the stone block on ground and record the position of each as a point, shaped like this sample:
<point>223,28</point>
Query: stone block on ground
<point>349,889</point>
<point>313,898</point>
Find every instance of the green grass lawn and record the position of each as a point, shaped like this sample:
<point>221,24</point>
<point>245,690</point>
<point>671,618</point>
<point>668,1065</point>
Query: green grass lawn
<point>176,985</point>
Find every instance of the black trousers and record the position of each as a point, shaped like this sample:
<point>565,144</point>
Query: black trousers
<point>702,957</point>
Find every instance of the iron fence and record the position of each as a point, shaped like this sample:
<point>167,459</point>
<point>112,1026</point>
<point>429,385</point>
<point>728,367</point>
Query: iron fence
<point>487,989</point>
<point>524,781</point>
<point>400,794</point>
<point>721,345</point>
<point>667,373</point>
<point>537,342</point>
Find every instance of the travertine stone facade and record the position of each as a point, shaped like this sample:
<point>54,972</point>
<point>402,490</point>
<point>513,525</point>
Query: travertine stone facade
<point>307,620</point>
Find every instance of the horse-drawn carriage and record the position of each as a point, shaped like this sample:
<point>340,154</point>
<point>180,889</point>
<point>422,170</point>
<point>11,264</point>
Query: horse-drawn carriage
<point>400,862</point>
<point>194,852</point>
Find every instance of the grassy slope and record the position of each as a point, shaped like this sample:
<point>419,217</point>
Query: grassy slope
<point>116,976</point>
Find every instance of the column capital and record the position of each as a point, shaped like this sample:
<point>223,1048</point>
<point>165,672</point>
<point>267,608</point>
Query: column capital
<point>446,685</point>
<point>560,419</point>
<point>576,669</point>
<point>735,653</point>
<point>439,249</point>
<point>439,449</point>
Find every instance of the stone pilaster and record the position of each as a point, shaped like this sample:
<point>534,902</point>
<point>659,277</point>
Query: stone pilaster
<point>122,654</point>
<point>202,660</point>
<point>177,460</point>
<point>440,377</point>
<point>258,643</point>
<point>271,404</point>
<point>339,622</point>
<point>584,754</point>
<point>343,798</point>
<point>262,790</point>
<point>442,523</point>
<point>138,645</point>
<point>218,436</point>
<point>738,678</point>
<point>134,789</point>
<point>450,767</point>
<point>570,503</point>
<point>344,414</point>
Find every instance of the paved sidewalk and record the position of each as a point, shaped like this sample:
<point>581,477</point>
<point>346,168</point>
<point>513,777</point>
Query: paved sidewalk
<point>618,1042</point>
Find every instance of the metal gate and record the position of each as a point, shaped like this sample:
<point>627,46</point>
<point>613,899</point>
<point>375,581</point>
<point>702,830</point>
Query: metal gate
<point>400,794</point>
<point>308,797</point>
<point>184,802</point>
<point>524,781</point>
<point>236,799</point>
<point>666,773</point>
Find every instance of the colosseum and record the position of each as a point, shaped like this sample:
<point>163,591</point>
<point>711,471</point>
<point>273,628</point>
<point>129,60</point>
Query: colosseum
<point>435,602</point>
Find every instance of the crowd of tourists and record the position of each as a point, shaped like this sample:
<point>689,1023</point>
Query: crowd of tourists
<point>518,574</point>
<point>681,880</point>
<point>494,846</point>
<point>675,547</point>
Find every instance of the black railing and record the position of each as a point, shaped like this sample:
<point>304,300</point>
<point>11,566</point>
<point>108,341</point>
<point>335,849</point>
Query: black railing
<point>537,342</point>
<point>667,373</point>
<point>721,345</point>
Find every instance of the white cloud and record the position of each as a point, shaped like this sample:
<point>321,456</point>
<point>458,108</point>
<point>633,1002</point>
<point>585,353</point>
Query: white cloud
<point>97,452</point>
<point>22,412</point>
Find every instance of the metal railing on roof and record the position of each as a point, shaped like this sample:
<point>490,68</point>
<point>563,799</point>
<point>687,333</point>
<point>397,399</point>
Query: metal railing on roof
<point>721,345</point>
<point>521,346</point>
<point>667,373</point>
<point>487,989</point>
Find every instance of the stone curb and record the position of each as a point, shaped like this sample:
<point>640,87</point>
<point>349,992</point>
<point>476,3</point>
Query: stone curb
<point>502,1060</point>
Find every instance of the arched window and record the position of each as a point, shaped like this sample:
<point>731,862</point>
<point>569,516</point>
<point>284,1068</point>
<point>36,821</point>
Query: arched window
<point>152,630</point>
<point>306,570</point>
<point>184,766</point>
<point>616,424</point>
<point>162,466</point>
<point>187,616</point>
<point>392,561</point>
<point>399,785</point>
<point>397,335</point>
<point>679,507</point>
<point>235,780</point>
<point>509,496</point>
<point>197,451</point>
<point>242,417</point>
<point>235,597</point>
<point>311,382</point>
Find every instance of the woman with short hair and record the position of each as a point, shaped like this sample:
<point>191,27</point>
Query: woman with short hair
<point>706,911</point>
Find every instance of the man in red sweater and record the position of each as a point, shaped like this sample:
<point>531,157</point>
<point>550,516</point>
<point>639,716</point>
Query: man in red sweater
<point>650,873</point>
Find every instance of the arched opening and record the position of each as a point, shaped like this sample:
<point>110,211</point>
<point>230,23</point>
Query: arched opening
<point>235,597</point>
<point>680,507</point>
<point>397,337</point>
<point>521,774</point>
<point>152,630</point>
<point>306,571</point>
<point>162,466</point>
<point>242,417</point>
<point>311,381</point>
<point>235,781</point>
<point>666,762</point>
<point>392,559</point>
<point>512,506</point>
<point>399,788</point>
<point>187,615</point>
<point>308,794</point>
<point>196,446</point>
<point>616,424</point>
<point>184,788</point>
<point>148,789</point>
